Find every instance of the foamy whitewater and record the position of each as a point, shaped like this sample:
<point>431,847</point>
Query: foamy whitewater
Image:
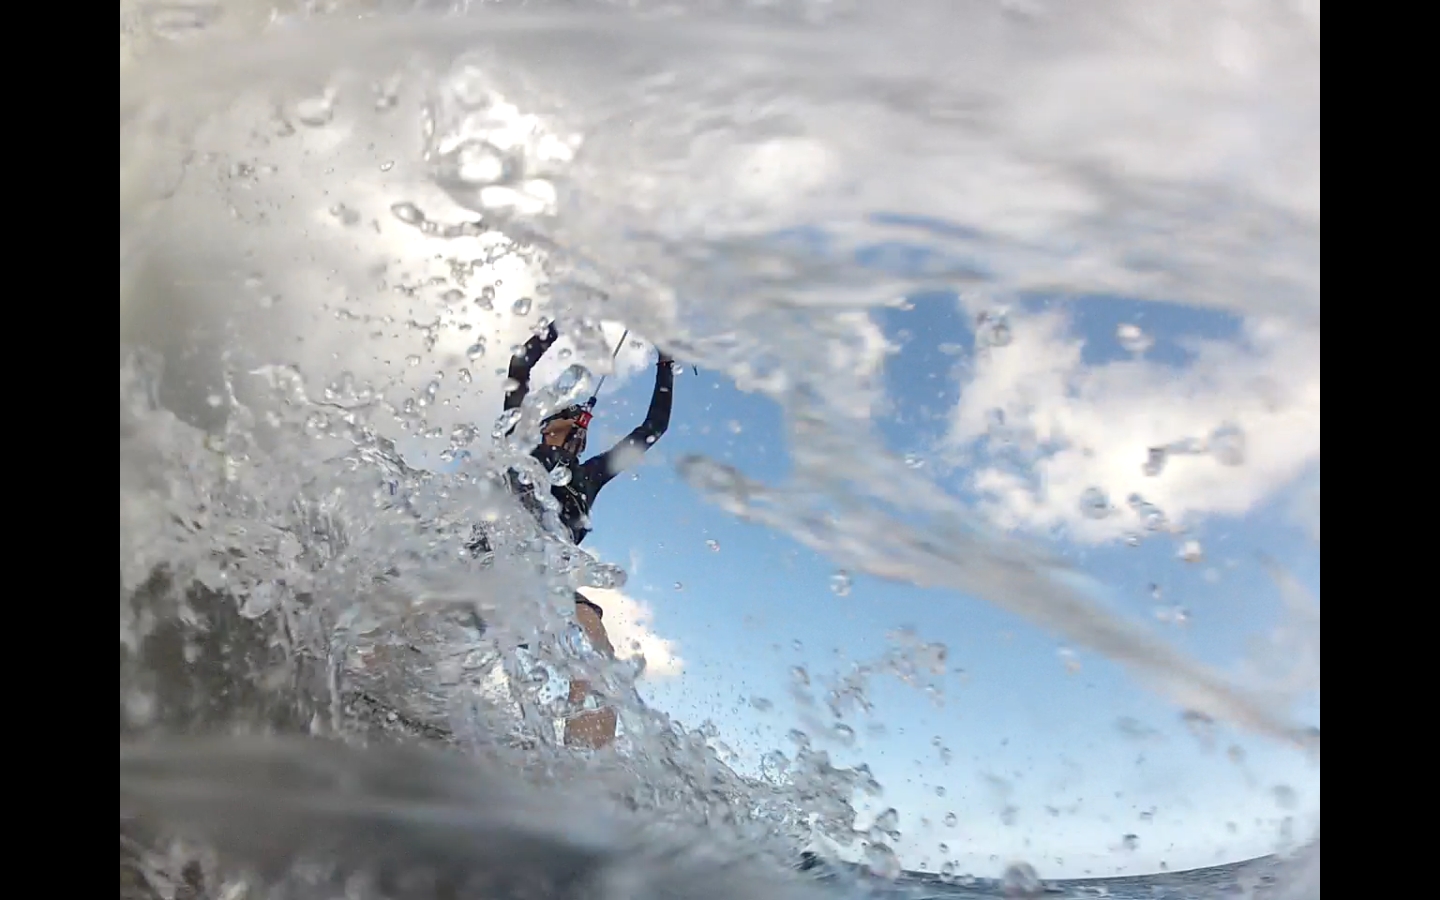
<point>338,218</point>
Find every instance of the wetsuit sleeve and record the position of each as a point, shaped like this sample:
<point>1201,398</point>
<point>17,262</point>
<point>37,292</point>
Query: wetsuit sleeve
<point>522,362</point>
<point>657,419</point>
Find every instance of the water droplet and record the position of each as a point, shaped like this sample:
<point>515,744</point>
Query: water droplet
<point>452,296</point>
<point>713,545</point>
<point>914,460</point>
<point>504,422</point>
<point>412,360</point>
<point>1154,462</point>
<point>387,165</point>
<point>1227,444</point>
<point>1069,660</point>
<point>734,426</point>
<point>476,350</point>
<point>1191,551</point>
<point>1150,515</point>
<point>679,586</point>
<point>1094,504</point>
<point>345,214</point>
<point>882,861</point>
<point>1132,539</point>
<point>843,735</point>
<point>995,423</point>
<point>992,329</point>
<point>316,111</point>
<point>470,87</point>
<point>486,300</point>
<point>1130,841</point>
<point>387,94</point>
<point>1285,796</point>
<point>761,704</point>
<point>939,790</point>
<point>840,583</point>
<point>180,19</point>
<point>521,306</point>
<point>407,212</point>
<point>1133,338</point>
<point>1021,880</point>
<point>944,847</point>
<point>951,820</point>
<point>560,476</point>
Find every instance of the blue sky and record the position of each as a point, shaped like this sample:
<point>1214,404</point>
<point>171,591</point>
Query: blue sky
<point>1055,755</point>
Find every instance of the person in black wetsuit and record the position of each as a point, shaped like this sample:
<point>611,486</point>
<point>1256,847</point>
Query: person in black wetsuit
<point>563,439</point>
<point>563,436</point>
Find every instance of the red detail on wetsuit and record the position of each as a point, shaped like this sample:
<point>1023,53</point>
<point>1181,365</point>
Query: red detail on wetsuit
<point>583,420</point>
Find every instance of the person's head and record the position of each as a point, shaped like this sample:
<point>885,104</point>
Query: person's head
<point>566,430</point>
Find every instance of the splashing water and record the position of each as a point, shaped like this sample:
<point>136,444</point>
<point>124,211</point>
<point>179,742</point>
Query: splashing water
<point>747,187</point>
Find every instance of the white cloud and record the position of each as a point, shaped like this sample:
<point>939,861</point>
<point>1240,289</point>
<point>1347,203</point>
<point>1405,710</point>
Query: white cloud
<point>1069,427</point>
<point>628,622</point>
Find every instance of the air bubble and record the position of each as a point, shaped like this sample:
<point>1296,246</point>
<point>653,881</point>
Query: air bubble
<point>1130,842</point>
<point>951,820</point>
<point>1191,552</point>
<point>840,583</point>
<point>387,165</point>
<point>761,704</point>
<point>475,350</point>
<point>486,300</point>
<point>465,376</point>
<point>679,586</point>
<point>521,306</point>
<point>560,476</point>
<point>714,545</point>
<point>843,734</point>
<point>412,360</point>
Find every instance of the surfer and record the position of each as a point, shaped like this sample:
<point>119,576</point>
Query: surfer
<point>575,485</point>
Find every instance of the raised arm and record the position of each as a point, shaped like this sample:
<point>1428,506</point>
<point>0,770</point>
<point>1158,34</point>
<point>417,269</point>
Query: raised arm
<point>522,362</point>
<point>608,464</point>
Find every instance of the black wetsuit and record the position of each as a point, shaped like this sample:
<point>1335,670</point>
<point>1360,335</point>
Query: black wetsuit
<point>587,478</point>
